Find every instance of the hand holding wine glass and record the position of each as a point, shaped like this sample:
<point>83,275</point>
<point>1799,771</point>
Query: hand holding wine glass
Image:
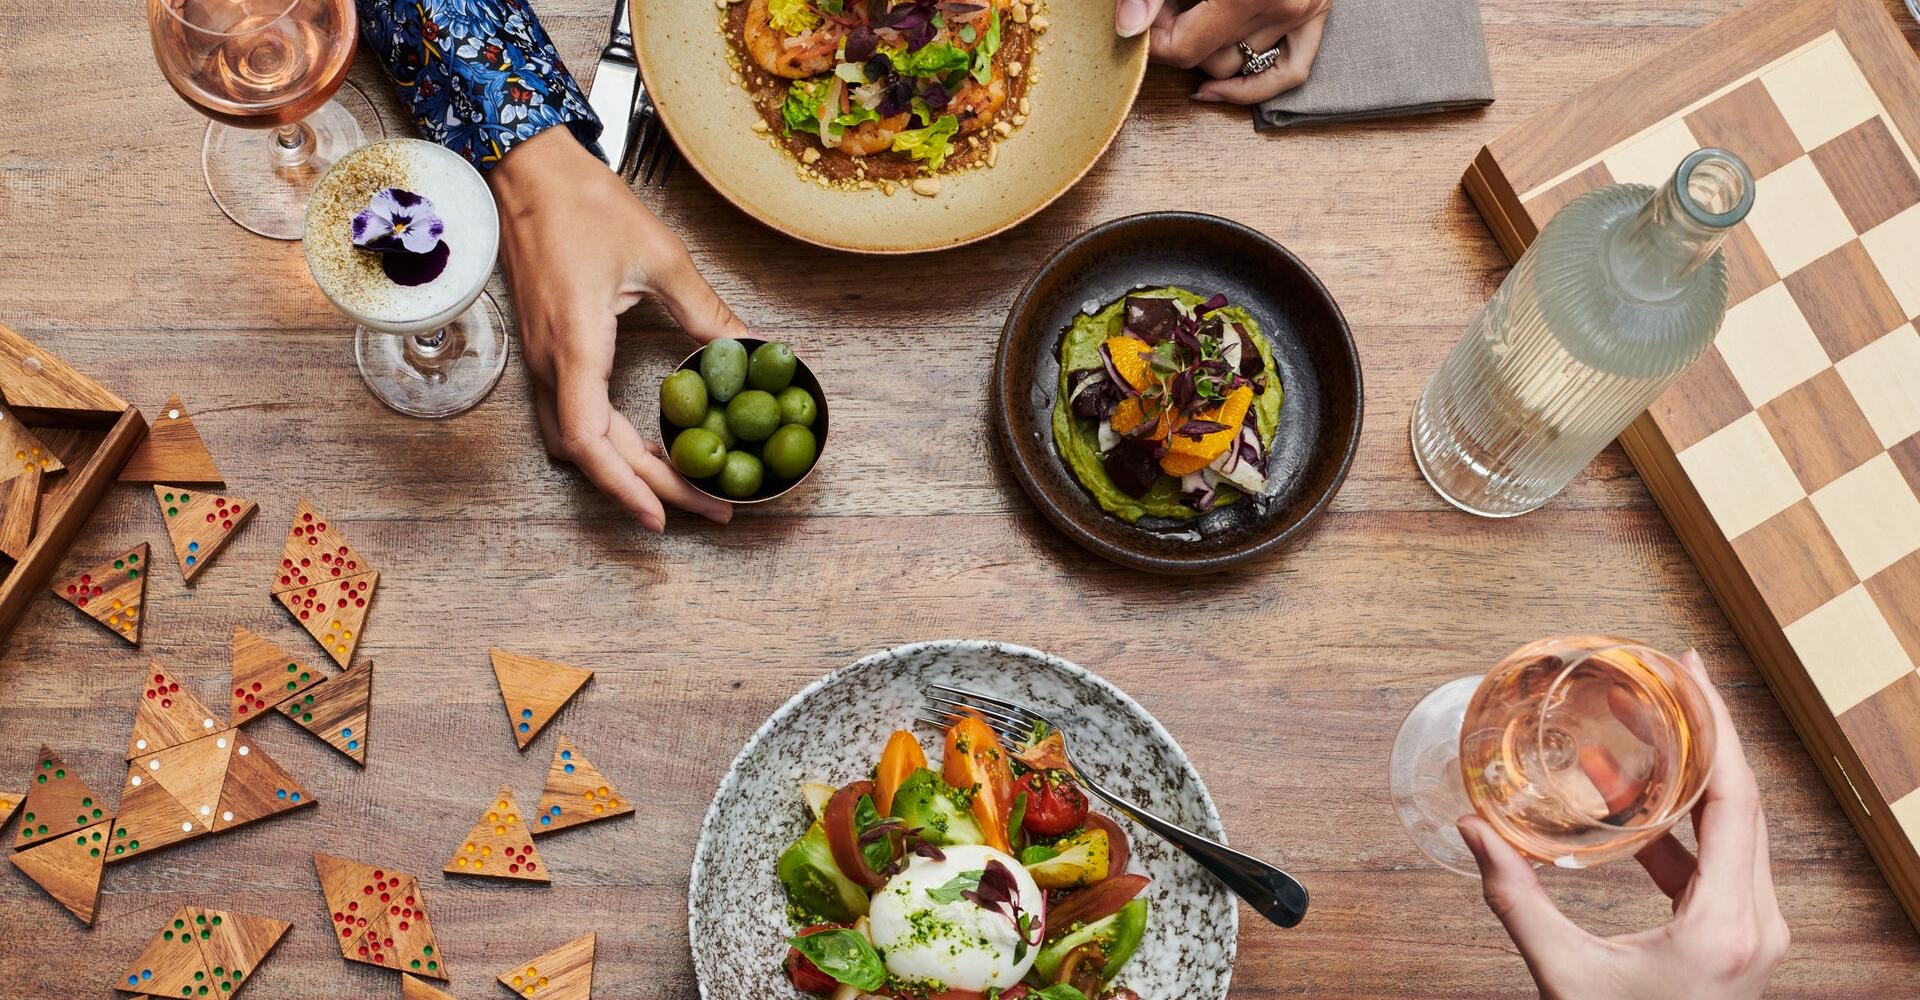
<point>1726,936</point>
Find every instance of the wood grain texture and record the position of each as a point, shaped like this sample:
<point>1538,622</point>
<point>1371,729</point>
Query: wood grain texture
<point>172,452</point>
<point>911,529</point>
<point>565,973</point>
<point>21,509</point>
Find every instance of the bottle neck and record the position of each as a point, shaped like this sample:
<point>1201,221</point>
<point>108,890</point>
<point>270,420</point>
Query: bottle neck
<point>1655,254</point>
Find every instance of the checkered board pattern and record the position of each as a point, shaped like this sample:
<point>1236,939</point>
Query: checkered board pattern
<point>1788,457</point>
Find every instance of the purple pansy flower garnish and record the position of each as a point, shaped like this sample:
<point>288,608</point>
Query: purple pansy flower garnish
<point>405,231</point>
<point>397,221</point>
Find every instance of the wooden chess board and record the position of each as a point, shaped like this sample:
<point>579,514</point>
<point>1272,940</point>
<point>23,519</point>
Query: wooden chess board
<point>1788,458</point>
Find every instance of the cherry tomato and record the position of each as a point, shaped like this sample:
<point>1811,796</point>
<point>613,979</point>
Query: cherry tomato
<point>1055,803</point>
<point>807,977</point>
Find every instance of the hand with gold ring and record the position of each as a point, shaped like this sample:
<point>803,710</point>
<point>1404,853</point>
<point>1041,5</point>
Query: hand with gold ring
<point>1250,50</point>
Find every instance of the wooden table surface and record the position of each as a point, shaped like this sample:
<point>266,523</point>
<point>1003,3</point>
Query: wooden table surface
<point>1284,682</point>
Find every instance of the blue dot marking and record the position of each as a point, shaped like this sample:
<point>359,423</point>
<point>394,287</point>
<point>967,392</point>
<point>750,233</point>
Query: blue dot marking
<point>346,732</point>
<point>566,755</point>
<point>524,727</point>
<point>295,796</point>
<point>192,559</point>
<point>545,820</point>
<point>526,713</point>
<point>281,794</point>
<point>353,744</point>
<point>554,811</point>
<point>193,546</point>
<point>568,768</point>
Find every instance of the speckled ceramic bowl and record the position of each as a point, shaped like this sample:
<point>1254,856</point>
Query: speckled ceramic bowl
<point>1088,77</point>
<point>834,730</point>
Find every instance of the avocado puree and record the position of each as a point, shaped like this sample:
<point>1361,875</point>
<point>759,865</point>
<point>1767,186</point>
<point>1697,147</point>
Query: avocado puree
<point>1079,440</point>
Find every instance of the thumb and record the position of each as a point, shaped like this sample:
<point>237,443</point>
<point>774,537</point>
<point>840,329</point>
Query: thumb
<point>1131,17</point>
<point>1514,895</point>
<point>694,304</point>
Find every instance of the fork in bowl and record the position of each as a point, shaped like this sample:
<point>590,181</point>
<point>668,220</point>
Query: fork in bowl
<point>1273,893</point>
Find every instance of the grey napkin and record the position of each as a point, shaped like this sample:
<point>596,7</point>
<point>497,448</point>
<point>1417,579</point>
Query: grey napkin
<point>1389,59</point>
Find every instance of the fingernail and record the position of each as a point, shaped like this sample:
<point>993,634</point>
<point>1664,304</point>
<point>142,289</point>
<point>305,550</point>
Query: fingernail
<point>1132,18</point>
<point>1201,95</point>
<point>1470,832</point>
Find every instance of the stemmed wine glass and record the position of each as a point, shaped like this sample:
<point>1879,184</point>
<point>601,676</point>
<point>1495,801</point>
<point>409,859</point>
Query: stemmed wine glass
<point>1577,749</point>
<point>272,76</point>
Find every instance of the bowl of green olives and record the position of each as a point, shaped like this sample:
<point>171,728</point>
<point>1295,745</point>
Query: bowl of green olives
<point>743,420</point>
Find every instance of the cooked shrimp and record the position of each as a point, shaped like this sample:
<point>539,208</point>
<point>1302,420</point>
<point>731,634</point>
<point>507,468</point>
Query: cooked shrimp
<point>976,104</point>
<point>872,137</point>
<point>795,57</point>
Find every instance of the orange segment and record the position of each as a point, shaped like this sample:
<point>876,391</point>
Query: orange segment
<point>1127,416</point>
<point>1129,359</point>
<point>1187,455</point>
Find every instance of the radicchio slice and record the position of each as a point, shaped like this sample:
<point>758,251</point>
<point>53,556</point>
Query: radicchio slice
<point>1250,363</point>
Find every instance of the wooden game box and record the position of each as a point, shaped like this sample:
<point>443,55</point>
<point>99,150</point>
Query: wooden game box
<point>1788,457</point>
<point>89,431</point>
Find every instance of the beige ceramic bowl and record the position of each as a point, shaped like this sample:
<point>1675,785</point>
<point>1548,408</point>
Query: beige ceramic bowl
<point>1088,79</point>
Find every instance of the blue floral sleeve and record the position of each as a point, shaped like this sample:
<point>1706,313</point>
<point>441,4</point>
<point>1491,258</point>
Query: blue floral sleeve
<point>481,76</point>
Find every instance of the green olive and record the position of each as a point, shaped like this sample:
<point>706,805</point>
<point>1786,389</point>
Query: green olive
<point>740,478</point>
<point>717,423</point>
<point>698,453</point>
<point>683,399</point>
<point>796,406</point>
<point>771,367</point>
<point>724,365</point>
<point>790,452</point>
<point>753,415</point>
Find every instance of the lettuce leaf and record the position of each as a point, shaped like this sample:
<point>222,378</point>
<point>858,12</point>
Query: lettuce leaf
<point>793,17</point>
<point>983,53</point>
<point>930,144</point>
<point>931,60</point>
<point>802,107</point>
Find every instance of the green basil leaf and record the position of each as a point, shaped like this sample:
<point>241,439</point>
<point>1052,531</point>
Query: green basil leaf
<point>1038,853</point>
<point>1059,991</point>
<point>962,883</point>
<point>846,955</point>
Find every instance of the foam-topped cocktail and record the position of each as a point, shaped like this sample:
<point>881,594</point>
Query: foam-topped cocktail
<point>402,236</point>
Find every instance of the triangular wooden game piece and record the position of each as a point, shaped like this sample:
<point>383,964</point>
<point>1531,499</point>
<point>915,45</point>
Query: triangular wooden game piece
<point>256,787</point>
<point>378,916</point>
<point>22,508</point>
<point>167,715</point>
<point>111,593</point>
<point>336,711</point>
<point>264,676</point>
<point>576,793</point>
<point>199,524</point>
<point>233,945</point>
<point>565,973</point>
<point>193,773</point>
<point>415,989</point>
<point>315,552</point>
<point>173,963</point>
<point>68,867</point>
<point>149,819</point>
<point>499,846</point>
<point>19,448</point>
<point>8,803</point>
<point>172,452</point>
<point>57,802</point>
<point>534,690</point>
<point>333,612</point>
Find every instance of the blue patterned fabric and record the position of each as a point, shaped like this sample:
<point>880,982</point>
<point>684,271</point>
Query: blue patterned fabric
<point>481,76</point>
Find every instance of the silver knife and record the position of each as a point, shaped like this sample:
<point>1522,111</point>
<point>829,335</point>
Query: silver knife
<point>614,82</point>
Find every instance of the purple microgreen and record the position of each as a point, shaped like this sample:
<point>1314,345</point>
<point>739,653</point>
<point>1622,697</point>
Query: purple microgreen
<point>896,97</point>
<point>862,46</point>
<point>926,849</point>
<point>1164,358</point>
<point>398,221</point>
<point>936,96</point>
<point>1181,390</point>
<point>1217,302</point>
<point>1251,363</point>
<point>999,893</point>
<point>1197,429</point>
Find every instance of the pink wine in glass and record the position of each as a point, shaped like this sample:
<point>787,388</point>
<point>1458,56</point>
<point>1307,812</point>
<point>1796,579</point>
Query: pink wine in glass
<point>267,72</point>
<point>1577,750</point>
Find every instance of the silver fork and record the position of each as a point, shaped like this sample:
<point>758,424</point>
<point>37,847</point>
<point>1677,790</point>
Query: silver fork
<point>653,155</point>
<point>1276,895</point>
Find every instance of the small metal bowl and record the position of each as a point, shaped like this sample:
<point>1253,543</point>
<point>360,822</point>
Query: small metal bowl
<point>772,487</point>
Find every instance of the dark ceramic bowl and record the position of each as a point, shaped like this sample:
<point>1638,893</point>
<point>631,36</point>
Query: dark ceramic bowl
<point>772,487</point>
<point>1312,348</point>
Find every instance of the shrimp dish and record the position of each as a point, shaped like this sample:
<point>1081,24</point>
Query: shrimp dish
<point>886,93</point>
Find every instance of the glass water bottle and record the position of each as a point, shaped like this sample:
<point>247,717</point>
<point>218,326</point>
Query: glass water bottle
<point>1623,289</point>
